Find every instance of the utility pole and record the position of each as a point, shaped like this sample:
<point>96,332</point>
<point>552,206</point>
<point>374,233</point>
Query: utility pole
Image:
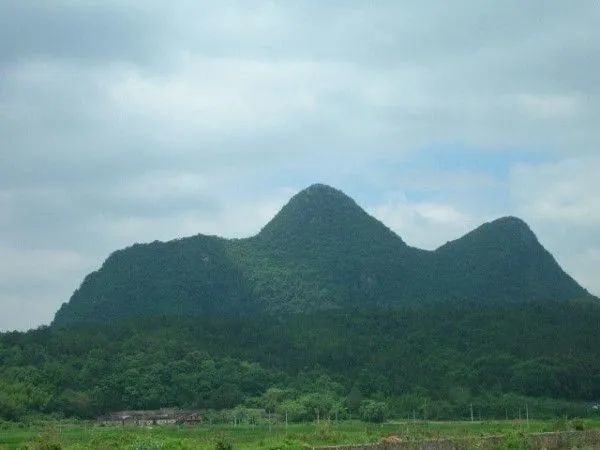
<point>527,413</point>
<point>471,412</point>
<point>286,419</point>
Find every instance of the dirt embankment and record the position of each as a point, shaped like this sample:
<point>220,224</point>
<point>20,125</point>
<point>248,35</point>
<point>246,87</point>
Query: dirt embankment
<point>547,441</point>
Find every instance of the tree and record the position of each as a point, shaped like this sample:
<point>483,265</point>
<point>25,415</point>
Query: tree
<point>354,399</point>
<point>373,411</point>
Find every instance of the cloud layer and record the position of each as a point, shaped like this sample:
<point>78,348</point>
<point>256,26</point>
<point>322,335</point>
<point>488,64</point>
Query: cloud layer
<point>123,123</point>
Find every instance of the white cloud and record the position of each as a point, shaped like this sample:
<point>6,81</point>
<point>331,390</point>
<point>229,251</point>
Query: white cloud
<point>581,260</point>
<point>423,224</point>
<point>212,94</point>
<point>134,124</point>
<point>551,106</point>
<point>441,214</point>
<point>561,201</point>
<point>17,265</point>
<point>33,282</point>
<point>162,186</point>
<point>27,310</point>
<point>239,219</point>
<point>567,190</point>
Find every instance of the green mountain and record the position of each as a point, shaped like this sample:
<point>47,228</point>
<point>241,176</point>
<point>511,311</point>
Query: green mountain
<point>503,260</point>
<point>325,312</point>
<point>320,252</point>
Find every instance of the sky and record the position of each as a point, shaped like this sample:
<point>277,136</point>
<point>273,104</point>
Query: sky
<point>124,122</point>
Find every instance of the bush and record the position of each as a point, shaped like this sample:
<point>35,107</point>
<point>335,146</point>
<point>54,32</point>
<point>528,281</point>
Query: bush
<point>560,424</point>
<point>47,441</point>
<point>517,441</point>
<point>577,424</point>
<point>372,411</point>
<point>223,444</point>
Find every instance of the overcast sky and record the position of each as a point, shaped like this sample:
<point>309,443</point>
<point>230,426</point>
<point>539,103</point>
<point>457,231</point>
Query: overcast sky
<point>127,122</point>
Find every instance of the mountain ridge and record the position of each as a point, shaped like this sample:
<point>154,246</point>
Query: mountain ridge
<point>321,251</point>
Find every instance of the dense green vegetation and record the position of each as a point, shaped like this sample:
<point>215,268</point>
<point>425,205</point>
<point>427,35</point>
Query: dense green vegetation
<point>324,314</point>
<point>428,362</point>
<point>321,252</point>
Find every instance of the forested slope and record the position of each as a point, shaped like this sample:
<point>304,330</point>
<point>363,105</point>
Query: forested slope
<point>320,252</point>
<point>435,360</point>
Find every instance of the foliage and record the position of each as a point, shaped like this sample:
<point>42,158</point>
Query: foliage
<point>577,425</point>
<point>517,440</point>
<point>425,362</point>
<point>223,444</point>
<point>560,424</point>
<point>47,441</point>
<point>373,411</point>
<point>254,437</point>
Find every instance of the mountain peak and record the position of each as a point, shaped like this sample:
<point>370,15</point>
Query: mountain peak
<point>322,192</point>
<point>511,222</point>
<point>321,187</point>
<point>319,211</point>
<point>510,229</point>
<point>504,232</point>
<point>506,253</point>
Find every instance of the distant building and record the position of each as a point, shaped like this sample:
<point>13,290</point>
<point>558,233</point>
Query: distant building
<point>163,416</point>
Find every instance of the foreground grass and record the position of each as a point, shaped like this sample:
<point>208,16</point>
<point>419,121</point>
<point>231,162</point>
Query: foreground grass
<point>64,435</point>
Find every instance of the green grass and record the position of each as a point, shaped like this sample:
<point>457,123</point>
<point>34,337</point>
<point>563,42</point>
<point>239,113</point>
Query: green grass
<point>65,435</point>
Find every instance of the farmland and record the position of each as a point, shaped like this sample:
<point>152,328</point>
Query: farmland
<point>86,435</point>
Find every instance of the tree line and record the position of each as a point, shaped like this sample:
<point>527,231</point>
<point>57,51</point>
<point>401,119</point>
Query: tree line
<point>425,362</point>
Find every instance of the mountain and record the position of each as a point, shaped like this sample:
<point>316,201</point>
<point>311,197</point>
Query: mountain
<point>320,252</point>
<point>320,215</point>
<point>503,260</point>
<point>488,321</point>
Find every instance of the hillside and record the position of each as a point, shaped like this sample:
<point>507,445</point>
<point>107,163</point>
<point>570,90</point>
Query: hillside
<point>433,361</point>
<point>320,252</point>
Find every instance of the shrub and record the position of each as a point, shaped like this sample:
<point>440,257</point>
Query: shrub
<point>372,411</point>
<point>560,424</point>
<point>47,441</point>
<point>223,444</point>
<point>517,441</point>
<point>577,424</point>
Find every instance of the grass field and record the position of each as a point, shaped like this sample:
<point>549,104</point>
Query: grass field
<point>65,435</point>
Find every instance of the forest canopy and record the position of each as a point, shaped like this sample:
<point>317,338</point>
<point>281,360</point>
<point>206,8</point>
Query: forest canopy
<point>429,361</point>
